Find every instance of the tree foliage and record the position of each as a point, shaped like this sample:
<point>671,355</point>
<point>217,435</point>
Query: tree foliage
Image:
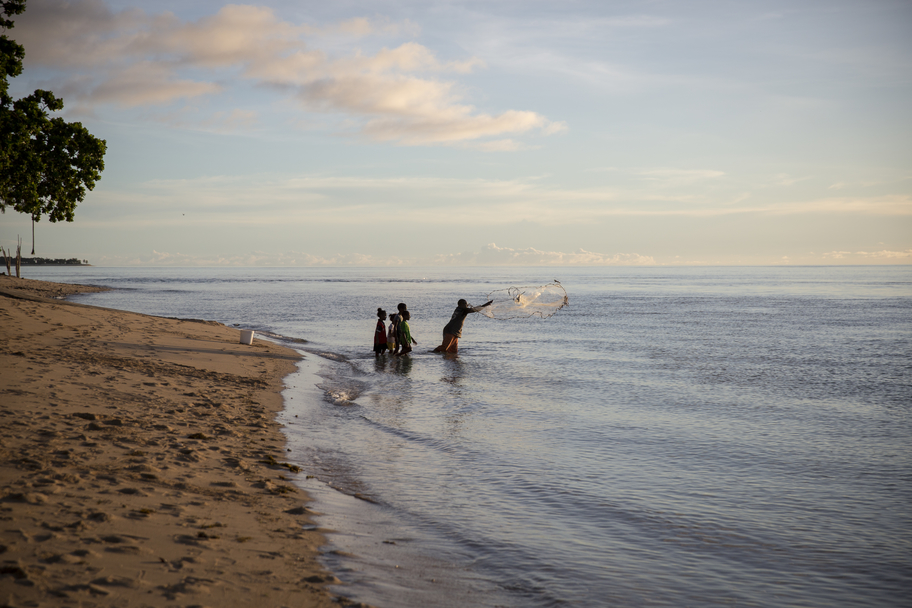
<point>47,165</point>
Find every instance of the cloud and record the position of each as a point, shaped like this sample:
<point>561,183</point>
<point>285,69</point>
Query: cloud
<point>450,123</point>
<point>321,199</point>
<point>254,258</point>
<point>69,35</point>
<point>492,255</point>
<point>235,36</point>
<point>360,27</point>
<point>631,21</point>
<point>873,256</point>
<point>145,84</point>
<point>131,59</point>
<point>502,145</point>
<point>667,176</point>
<point>887,255</point>
<point>894,204</point>
<point>784,179</point>
<point>678,174</point>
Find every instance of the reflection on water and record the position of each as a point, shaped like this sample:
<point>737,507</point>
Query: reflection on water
<point>652,449</point>
<point>676,437</point>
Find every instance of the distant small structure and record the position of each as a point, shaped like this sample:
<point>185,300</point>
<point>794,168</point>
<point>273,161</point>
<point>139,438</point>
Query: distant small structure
<point>54,262</point>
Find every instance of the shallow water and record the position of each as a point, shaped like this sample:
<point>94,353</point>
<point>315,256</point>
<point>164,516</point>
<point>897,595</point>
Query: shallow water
<point>686,436</point>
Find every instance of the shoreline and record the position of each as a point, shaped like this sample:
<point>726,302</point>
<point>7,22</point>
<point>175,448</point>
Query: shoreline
<point>143,463</point>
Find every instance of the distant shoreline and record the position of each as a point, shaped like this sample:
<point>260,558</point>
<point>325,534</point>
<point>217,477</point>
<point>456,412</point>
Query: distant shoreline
<point>53,262</point>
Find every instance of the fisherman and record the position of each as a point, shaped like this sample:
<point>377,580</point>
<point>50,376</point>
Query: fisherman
<point>453,330</point>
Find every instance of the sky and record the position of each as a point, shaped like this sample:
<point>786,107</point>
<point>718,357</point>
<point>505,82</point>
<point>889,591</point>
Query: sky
<point>496,132</point>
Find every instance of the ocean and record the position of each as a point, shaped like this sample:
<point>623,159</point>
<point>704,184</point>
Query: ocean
<point>726,436</point>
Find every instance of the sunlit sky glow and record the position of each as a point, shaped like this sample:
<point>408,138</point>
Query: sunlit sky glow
<point>505,132</point>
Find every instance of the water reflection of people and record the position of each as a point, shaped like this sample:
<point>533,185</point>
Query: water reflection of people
<point>462,406</point>
<point>452,331</point>
<point>455,372</point>
<point>402,365</point>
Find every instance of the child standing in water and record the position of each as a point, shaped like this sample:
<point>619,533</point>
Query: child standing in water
<point>380,333</point>
<point>391,334</point>
<point>395,320</point>
<point>405,333</point>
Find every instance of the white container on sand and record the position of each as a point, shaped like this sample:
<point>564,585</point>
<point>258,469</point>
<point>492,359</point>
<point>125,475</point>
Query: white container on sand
<point>247,336</point>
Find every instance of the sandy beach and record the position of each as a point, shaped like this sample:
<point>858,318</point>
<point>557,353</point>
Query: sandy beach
<point>141,463</point>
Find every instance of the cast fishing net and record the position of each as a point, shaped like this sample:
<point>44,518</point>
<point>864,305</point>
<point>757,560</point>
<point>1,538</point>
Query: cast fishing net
<point>520,302</point>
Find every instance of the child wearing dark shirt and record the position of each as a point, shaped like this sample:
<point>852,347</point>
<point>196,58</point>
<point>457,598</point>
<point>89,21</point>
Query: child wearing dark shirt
<point>380,333</point>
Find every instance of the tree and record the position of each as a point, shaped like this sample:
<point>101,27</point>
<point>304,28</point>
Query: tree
<point>46,164</point>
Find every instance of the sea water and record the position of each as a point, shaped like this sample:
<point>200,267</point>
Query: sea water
<point>674,437</point>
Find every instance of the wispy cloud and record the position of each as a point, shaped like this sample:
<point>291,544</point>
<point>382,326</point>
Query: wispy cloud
<point>784,179</point>
<point>144,84</point>
<point>253,258</point>
<point>665,176</point>
<point>896,204</point>
<point>132,59</point>
<point>871,256</point>
<point>491,255</point>
<point>283,200</point>
<point>676,177</point>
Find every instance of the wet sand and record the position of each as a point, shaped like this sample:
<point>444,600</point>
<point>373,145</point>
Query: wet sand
<point>141,463</point>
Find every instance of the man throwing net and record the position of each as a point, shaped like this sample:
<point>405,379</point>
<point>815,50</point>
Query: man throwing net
<point>453,330</point>
<point>511,303</point>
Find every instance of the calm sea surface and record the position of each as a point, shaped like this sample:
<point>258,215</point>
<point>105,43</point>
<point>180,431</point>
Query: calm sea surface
<point>675,437</point>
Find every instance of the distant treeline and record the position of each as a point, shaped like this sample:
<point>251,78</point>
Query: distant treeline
<point>54,262</point>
